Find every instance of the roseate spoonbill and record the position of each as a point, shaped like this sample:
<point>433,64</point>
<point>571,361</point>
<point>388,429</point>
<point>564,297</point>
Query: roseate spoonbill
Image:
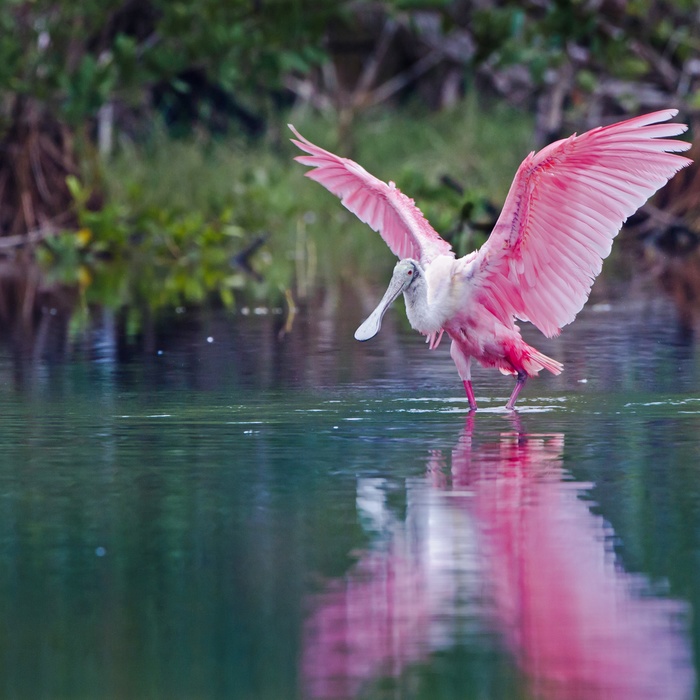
<point>565,206</point>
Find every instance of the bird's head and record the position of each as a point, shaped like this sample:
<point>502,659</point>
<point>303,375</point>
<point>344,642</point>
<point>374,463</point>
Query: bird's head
<point>405,274</point>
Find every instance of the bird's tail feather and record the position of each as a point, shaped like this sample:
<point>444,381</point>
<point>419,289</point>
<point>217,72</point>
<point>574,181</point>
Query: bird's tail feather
<point>537,361</point>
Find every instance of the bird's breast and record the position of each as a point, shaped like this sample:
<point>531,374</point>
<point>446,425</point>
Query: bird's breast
<point>437,298</point>
<point>421,316</point>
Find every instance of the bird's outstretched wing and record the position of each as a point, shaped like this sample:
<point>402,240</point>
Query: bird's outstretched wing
<point>380,205</point>
<point>564,208</point>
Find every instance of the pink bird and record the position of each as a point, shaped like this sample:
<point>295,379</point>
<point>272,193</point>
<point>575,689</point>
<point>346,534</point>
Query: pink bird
<point>565,206</point>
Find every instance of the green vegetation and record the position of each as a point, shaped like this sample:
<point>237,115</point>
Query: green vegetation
<point>61,62</point>
<point>151,133</point>
<point>178,212</point>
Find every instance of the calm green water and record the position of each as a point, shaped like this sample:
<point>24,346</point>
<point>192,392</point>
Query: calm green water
<point>233,515</point>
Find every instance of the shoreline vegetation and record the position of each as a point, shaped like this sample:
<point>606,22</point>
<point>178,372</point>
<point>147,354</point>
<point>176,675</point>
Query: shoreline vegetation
<point>202,222</point>
<point>145,164</point>
<point>233,221</point>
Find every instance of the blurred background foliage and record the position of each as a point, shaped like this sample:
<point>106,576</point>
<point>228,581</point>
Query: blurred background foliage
<point>144,154</point>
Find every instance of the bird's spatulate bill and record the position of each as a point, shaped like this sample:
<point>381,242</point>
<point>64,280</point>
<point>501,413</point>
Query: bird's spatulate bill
<point>371,326</point>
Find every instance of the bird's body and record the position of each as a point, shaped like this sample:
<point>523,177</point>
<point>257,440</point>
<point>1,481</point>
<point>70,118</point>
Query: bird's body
<point>564,208</point>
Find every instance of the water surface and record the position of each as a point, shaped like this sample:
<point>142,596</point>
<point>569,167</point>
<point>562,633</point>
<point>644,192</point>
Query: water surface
<point>228,512</point>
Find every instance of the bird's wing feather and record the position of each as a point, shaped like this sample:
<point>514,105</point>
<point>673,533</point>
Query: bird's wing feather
<point>380,205</point>
<point>565,206</point>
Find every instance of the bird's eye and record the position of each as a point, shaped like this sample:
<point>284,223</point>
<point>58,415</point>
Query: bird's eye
<point>410,272</point>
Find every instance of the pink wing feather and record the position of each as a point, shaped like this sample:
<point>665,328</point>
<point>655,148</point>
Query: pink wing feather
<point>383,207</point>
<point>564,208</point>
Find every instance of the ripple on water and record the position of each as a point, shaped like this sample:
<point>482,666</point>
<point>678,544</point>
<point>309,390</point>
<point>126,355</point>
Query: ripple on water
<point>687,405</point>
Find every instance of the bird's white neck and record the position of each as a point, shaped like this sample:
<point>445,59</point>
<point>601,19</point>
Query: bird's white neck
<point>420,314</point>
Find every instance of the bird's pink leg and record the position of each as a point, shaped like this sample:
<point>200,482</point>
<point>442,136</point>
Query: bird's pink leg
<point>470,394</point>
<point>463,363</point>
<point>519,384</point>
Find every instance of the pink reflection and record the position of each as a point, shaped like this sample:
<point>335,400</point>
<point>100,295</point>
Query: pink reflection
<point>371,625</point>
<point>497,542</point>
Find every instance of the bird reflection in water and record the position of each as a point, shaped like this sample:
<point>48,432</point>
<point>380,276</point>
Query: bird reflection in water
<point>496,541</point>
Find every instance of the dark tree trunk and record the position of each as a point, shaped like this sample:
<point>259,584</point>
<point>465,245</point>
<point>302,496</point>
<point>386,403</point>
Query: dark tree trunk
<point>36,156</point>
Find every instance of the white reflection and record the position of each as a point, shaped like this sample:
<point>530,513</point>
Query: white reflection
<point>494,540</point>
